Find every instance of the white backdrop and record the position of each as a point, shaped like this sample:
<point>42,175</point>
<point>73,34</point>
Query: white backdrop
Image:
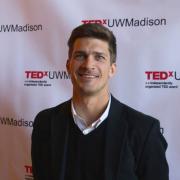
<point>33,38</point>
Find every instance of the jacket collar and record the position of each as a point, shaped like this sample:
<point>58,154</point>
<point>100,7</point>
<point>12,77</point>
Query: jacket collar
<point>115,137</point>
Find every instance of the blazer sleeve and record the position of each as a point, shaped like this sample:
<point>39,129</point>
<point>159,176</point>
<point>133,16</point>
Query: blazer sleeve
<point>40,147</point>
<point>153,164</point>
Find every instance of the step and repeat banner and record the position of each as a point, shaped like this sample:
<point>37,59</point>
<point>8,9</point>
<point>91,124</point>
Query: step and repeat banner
<point>33,76</point>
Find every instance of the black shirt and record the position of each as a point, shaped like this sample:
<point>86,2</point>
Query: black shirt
<point>85,158</point>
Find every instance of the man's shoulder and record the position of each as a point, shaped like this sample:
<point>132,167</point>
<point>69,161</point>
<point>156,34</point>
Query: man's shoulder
<point>60,107</point>
<point>136,120</point>
<point>139,126</point>
<point>47,114</point>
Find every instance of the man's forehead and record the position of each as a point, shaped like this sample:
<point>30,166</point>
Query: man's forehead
<point>90,44</point>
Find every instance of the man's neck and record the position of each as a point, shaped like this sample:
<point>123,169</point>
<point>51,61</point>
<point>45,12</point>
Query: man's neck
<point>90,108</point>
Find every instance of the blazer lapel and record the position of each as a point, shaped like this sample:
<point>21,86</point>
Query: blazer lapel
<point>60,133</point>
<point>115,137</point>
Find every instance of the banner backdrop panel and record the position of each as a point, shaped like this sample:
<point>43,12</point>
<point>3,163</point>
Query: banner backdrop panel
<point>33,72</point>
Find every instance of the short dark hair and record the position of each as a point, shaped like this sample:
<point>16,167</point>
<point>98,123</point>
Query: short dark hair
<point>97,31</point>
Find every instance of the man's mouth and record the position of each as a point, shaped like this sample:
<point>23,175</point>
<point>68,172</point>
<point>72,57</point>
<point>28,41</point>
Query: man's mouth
<point>88,75</point>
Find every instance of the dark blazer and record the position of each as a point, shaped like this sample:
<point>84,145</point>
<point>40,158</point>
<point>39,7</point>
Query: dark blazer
<point>135,148</point>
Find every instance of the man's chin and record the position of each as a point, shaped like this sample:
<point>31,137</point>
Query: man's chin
<point>88,91</point>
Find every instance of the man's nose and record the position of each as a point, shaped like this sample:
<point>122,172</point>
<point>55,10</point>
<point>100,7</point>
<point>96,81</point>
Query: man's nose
<point>89,62</point>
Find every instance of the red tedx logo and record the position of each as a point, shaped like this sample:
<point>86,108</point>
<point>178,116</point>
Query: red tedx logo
<point>96,21</point>
<point>158,75</point>
<point>28,169</point>
<point>36,74</point>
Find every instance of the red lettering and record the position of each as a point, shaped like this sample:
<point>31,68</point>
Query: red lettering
<point>104,21</point>
<point>170,73</point>
<point>163,75</point>
<point>97,21</point>
<point>28,169</point>
<point>36,74</point>
<point>91,21</point>
<point>148,74</point>
<point>46,73</point>
<point>156,75</point>
<point>27,73</point>
<point>85,21</point>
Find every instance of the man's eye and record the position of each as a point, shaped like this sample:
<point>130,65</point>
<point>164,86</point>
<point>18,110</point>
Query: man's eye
<point>79,57</point>
<point>100,57</point>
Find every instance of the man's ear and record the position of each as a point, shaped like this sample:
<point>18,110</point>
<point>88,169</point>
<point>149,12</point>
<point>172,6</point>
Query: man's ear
<point>68,66</point>
<point>112,70</point>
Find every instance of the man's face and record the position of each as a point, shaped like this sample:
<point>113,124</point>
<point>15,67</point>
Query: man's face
<point>89,66</point>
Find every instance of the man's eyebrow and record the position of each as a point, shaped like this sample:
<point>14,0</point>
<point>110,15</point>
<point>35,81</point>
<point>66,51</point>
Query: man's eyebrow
<point>94,52</point>
<point>100,53</point>
<point>79,52</point>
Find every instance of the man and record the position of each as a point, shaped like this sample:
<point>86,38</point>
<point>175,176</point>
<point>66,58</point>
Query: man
<point>93,136</point>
